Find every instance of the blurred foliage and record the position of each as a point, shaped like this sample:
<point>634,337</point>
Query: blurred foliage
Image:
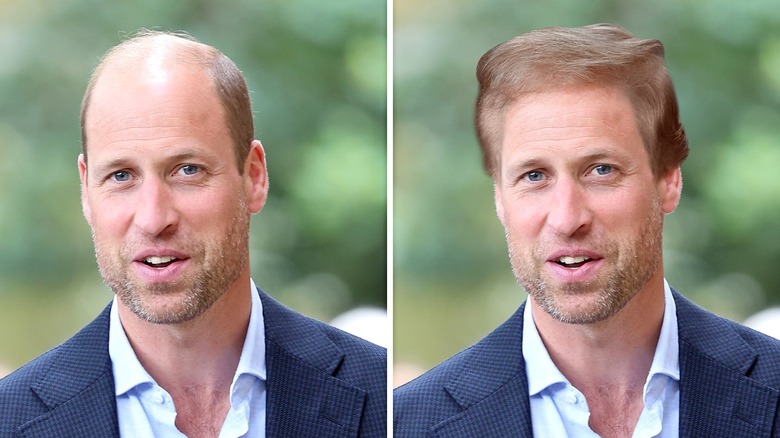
<point>317,73</point>
<point>452,281</point>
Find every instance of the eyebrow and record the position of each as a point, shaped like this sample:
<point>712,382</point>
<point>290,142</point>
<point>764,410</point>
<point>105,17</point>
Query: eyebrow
<point>602,153</point>
<point>113,164</point>
<point>516,169</point>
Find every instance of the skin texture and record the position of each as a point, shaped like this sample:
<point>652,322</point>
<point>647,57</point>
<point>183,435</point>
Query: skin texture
<point>162,180</point>
<point>576,181</point>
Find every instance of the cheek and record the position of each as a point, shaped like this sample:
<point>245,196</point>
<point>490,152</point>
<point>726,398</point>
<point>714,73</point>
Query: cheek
<point>108,218</point>
<point>211,211</point>
<point>523,220</point>
<point>629,210</point>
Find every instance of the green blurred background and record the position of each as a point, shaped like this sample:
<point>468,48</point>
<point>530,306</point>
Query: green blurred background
<point>452,281</point>
<point>317,73</point>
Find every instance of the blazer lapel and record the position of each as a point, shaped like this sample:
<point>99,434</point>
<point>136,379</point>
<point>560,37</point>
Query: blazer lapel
<point>491,387</point>
<point>79,389</point>
<point>304,396</point>
<point>503,413</point>
<point>717,398</point>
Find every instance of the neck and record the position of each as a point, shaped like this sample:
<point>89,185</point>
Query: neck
<point>200,353</point>
<point>615,353</point>
<point>609,361</point>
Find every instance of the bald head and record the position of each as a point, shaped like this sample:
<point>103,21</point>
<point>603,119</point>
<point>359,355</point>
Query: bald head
<point>158,58</point>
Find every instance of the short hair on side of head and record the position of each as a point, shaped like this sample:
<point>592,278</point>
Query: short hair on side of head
<point>228,81</point>
<point>558,58</point>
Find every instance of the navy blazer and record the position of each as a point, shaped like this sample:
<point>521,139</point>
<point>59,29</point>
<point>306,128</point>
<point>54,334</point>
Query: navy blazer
<point>729,384</point>
<point>321,382</point>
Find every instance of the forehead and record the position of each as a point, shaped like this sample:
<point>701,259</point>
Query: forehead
<point>154,102</point>
<point>570,117</point>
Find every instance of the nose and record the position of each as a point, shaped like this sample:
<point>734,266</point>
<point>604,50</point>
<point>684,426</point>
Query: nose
<point>569,212</point>
<point>155,213</point>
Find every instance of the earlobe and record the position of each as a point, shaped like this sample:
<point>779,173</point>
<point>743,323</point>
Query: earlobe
<point>84,198</point>
<point>256,177</point>
<point>671,189</point>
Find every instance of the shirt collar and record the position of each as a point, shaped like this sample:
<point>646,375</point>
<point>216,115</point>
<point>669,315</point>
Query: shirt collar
<point>129,373</point>
<point>542,372</point>
<point>667,352</point>
<point>539,367</point>
<point>252,359</point>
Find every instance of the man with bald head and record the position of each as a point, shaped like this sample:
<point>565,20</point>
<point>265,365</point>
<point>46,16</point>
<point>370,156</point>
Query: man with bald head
<point>170,176</point>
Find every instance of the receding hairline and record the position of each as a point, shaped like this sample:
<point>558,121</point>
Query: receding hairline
<point>141,47</point>
<point>146,46</point>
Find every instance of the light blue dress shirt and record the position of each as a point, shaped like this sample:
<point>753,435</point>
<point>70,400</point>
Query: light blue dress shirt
<point>146,410</point>
<point>558,409</point>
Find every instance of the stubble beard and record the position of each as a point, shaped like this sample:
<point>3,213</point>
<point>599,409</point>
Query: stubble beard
<point>217,264</point>
<point>634,264</point>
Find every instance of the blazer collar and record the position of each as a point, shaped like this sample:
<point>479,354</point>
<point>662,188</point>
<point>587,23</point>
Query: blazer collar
<point>717,396</point>
<point>304,392</point>
<point>491,387</point>
<point>78,388</point>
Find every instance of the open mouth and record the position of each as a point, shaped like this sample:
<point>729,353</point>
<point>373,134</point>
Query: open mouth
<point>572,262</point>
<point>158,262</point>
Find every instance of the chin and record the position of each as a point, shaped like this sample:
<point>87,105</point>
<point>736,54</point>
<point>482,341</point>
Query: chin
<point>171,308</point>
<point>580,309</point>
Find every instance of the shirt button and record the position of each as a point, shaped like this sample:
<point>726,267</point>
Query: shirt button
<point>571,398</point>
<point>160,398</point>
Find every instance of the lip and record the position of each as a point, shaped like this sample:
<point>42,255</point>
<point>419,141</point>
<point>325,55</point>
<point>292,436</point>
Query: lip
<point>573,252</point>
<point>169,273</point>
<point>159,252</point>
<point>583,273</point>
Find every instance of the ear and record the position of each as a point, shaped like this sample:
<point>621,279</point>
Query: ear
<point>256,177</point>
<point>670,189</point>
<point>84,198</point>
<point>499,200</point>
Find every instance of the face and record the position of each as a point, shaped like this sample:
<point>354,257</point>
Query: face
<point>581,207</point>
<point>168,208</point>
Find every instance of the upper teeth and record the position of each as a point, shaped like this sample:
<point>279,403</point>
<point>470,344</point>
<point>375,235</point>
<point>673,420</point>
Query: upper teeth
<point>157,260</point>
<point>567,260</point>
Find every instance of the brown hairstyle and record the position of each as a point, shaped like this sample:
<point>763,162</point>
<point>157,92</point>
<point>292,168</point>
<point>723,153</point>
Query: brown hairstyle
<point>227,79</point>
<point>601,54</point>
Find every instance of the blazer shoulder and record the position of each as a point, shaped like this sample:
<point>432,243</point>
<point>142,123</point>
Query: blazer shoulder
<point>18,403</point>
<point>15,391</point>
<point>424,402</point>
<point>55,376</point>
<point>730,343</point>
<point>729,376</point>
<point>299,346</point>
<point>316,342</point>
<point>464,380</point>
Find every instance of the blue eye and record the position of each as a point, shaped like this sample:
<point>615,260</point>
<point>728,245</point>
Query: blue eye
<point>534,176</point>
<point>121,176</point>
<point>603,169</point>
<point>189,169</point>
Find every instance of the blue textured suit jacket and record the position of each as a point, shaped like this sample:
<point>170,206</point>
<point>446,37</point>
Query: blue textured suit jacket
<point>321,382</point>
<point>729,384</point>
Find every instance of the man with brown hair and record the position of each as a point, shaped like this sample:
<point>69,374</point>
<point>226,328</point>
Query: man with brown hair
<point>170,176</point>
<point>580,131</point>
